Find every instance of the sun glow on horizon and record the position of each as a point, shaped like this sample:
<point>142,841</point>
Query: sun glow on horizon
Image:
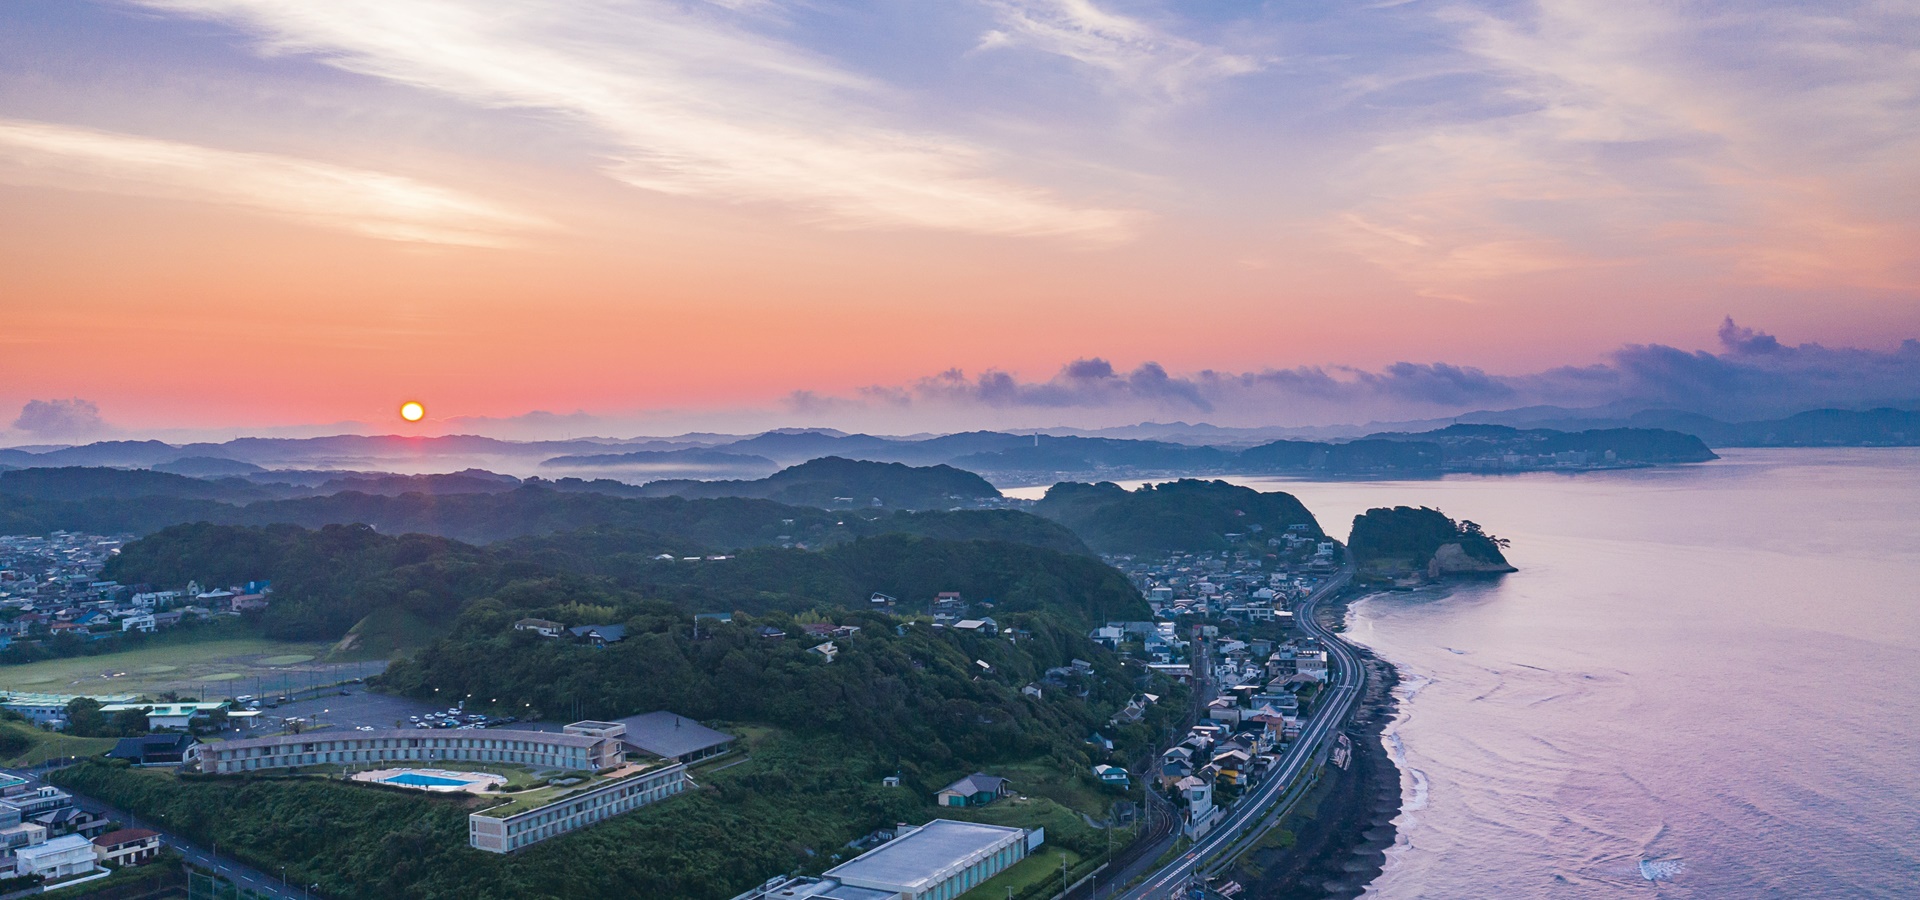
<point>413,411</point>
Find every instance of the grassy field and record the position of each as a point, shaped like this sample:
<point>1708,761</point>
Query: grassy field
<point>220,666</point>
<point>1041,779</point>
<point>45,745</point>
<point>1044,864</point>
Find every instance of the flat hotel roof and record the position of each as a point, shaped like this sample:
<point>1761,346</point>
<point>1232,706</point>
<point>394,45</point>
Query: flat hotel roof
<point>911,861</point>
<point>543,737</point>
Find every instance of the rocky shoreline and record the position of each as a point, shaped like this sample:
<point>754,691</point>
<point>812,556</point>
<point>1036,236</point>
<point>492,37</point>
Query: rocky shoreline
<point>1335,841</point>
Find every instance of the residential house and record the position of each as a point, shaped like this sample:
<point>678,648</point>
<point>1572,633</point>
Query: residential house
<point>769,632</point>
<point>72,820</point>
<point>1232,763</point>
<point>827,650</point>
<point>1198,792</point>
<point>979,626</point>
<point>1113,776</point>
<point>57,859</point>
<point>250,603</point>
<point>599,635</point>
<point>977,789</point>
<point>166,715</point>
<point>143,623</point>
<point>154,749</point>
<point>1222,709</point>
<point>542,627</point>
<point>126,847</point>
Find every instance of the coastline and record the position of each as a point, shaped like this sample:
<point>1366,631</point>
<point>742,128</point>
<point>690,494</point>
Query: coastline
<point>1335,842</point>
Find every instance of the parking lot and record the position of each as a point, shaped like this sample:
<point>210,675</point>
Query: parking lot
<point>347,708</point>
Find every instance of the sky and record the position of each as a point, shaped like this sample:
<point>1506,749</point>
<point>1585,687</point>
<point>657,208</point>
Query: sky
<point>550,217</point>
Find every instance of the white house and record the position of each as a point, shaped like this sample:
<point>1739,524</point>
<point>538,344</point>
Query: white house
<point>143,622</point>
<point>1198,793</point>
<point>61,857</point>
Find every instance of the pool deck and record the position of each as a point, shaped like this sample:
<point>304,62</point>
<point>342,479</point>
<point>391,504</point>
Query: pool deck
<point>470,782</point>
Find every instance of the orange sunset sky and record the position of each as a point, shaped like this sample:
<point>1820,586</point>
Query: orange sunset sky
<point>242,214</point>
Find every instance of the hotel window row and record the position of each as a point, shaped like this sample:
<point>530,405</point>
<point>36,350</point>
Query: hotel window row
<point>524,747</point>
<point>500,835</point>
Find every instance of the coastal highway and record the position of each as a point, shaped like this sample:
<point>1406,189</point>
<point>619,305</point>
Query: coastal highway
<point>1258,809</point>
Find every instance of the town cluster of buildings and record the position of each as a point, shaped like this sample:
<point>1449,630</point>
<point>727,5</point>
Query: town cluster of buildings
<point>44,833</point>
<point>50,586</point>
<point>1240,602</point>
<point>1266,690</point>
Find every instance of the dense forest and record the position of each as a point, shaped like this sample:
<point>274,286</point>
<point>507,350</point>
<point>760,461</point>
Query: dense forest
<point>327,580</point>
<point>537,507</point>
<point>831,481</point>
<point>916,694</point>
<point>1412,535</point>
<point>1179,516</point>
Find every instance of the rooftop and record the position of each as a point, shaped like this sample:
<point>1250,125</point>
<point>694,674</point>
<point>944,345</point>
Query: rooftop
<point>564,740</point>
<point>670,735</point>
<point>124,836</point>
<point>916,859</point>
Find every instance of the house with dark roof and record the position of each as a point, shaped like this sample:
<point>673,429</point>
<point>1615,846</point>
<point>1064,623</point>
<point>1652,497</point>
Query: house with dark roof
<point>154,749</point>
<point>978,789</point>
<point>599,635</point>
<point>127,847</point>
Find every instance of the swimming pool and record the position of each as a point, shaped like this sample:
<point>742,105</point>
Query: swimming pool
<point>415,779</point>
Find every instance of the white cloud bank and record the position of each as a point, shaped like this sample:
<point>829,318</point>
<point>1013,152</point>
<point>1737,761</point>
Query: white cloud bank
<point>1753,376</point>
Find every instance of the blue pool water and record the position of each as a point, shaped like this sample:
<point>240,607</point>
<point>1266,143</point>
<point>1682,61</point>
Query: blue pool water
<point>415,779</point>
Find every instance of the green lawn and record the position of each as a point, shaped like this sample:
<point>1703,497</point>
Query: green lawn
<point>1044,864</point>
<point>1072,790</point>
<point>538,797</point>
<point>45,745</point>
<point>220,666</point>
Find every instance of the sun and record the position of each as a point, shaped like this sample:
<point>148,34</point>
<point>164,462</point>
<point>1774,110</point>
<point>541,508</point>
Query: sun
<point>413,411</point>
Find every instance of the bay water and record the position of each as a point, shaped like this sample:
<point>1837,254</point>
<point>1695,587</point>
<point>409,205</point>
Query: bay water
<point>1704,681</point>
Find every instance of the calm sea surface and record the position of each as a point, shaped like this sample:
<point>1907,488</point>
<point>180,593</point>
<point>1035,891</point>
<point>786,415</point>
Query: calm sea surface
<point>1708,674</point>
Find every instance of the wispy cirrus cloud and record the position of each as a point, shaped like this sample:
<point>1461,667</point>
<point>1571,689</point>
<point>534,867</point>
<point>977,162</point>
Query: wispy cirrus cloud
<point>683,101</point>
<point>377,204</point>
<point>1140,55</point>
<point>1772,143</point>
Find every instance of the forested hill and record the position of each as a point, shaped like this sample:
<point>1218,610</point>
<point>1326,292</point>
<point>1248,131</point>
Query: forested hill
<point>537,508</point>
<point>832,481</point>
<point>327,581</point>
<point>1180,516</point>
<point>918,697</point>
<point>1405,536</point>
<point>77,483</point>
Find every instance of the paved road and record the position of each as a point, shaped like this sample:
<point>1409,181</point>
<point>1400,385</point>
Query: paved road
<point>1255,811</point>
<point>231,869</point>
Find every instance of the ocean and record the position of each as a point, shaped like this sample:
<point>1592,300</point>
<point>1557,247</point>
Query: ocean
<point>1703,682</point>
